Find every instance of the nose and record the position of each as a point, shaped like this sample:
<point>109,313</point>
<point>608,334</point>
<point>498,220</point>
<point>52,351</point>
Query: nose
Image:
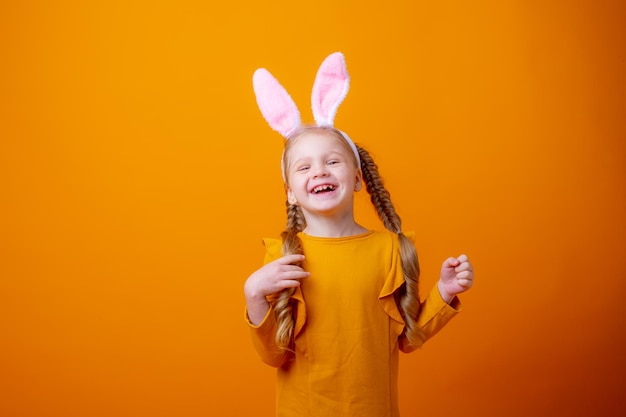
<point>320,170</point>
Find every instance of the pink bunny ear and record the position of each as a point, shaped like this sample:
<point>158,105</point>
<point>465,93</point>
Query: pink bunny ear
<point>277,107</point>
<point>330,88</point>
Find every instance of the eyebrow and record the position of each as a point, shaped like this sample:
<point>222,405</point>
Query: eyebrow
<point>326,155</point>
<point>307,158</point>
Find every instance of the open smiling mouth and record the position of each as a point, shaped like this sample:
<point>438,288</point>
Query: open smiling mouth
<point>323,189</point>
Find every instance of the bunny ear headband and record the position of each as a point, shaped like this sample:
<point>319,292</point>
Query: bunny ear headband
<point>329,89</point>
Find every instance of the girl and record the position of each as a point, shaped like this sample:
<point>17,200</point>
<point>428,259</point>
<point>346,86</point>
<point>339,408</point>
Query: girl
<point>336,302</point>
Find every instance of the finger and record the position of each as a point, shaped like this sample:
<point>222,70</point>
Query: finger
<point>290,268</point>
<point>290,284</point>
<point>451,262</point>
<point>291,275</point>
<point>466,275</point>
<point>292,279</point>
<point>464,283</point>
<point>463,258</point>
<point>290,259</point>
<point>465,266</point>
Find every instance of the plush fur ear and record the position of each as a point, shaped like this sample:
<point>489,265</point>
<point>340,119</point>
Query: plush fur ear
<point>277,107</point>
<point>329,89</point>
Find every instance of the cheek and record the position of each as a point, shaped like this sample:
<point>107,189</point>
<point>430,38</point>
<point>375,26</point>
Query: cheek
<point>353,176</point>
<point>294,185</point>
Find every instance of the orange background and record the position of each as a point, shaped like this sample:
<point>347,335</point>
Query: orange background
<point>138,176</point>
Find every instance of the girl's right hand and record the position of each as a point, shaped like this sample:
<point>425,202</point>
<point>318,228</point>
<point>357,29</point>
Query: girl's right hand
<point>273,277</point>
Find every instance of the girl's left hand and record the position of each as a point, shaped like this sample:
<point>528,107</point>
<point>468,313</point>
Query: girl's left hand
<point>457,276</point>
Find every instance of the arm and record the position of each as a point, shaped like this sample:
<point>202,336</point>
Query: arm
<point>264,340</point>
<point>442,305</point>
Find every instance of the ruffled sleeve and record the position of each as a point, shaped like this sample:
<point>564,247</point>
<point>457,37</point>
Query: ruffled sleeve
<point>273,249</point>
<point>393,282</point>
<point>434,312</point>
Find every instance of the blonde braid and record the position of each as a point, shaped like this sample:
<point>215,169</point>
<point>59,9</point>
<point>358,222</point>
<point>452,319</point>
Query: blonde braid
<point>408,295</point>
<point>283,308</point>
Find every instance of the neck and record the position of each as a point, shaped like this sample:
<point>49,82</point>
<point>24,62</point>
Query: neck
<point>333,226</point>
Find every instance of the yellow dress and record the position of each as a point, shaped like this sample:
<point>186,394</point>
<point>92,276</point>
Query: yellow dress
<point>348,327</point>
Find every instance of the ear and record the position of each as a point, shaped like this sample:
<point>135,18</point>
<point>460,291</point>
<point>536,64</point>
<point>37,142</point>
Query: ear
<point>277,107</point>
<point>358,185</point>
<point>291,198</point>
<point>329,89</point>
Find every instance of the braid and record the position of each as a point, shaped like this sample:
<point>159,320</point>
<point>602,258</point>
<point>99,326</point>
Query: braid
<point>408,295</point>
<point>284,306</point>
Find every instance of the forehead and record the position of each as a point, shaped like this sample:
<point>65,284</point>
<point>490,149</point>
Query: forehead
<point>316,142</point>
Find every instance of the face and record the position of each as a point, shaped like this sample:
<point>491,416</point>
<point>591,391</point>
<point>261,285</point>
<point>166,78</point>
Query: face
<point>321,172</point>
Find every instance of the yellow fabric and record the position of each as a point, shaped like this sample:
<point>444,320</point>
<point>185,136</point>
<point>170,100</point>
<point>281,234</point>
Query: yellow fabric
<point>345,359</point>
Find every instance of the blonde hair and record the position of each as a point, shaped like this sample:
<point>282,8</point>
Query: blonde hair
<point>407,297</point>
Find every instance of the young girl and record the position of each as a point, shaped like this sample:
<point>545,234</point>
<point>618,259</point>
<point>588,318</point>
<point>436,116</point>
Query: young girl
<point>336,302</point>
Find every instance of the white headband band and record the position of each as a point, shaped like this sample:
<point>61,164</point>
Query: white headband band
<point>331,85</point>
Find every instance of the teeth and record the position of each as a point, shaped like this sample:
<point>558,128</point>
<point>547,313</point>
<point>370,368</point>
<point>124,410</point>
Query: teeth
<point>321,188</point>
